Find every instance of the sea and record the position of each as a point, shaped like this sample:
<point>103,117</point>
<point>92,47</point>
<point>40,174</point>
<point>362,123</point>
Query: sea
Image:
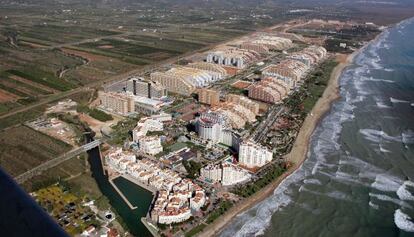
<point>358,178</point>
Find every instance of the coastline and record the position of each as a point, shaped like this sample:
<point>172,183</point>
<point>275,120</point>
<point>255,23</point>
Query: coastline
<point>300,148</point>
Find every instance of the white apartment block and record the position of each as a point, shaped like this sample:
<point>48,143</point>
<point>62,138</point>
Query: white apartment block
<point>119,103</point>
<point>253,155</point>
<point>226,173</point>
<point>150,145</point>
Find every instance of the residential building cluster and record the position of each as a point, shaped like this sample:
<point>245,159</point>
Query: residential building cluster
<point>225,172</point>
<point>149,89</point>
<point>150,144</point>
<point>236,110</point>
<point>175,158</point>
<point>184,80</point>
<point>126,103</point>
<point>253,155</point>
<point>279,79</point>
<point>119,103</point>
<point>233,57</point>
<point>213,127</point>
<point>264,43</point>
<point>236,114</point>
<point>310,55</point>
<point>244,101</point>
<point>209,96</point>
<point>269,90</point>
<point>177,198</point>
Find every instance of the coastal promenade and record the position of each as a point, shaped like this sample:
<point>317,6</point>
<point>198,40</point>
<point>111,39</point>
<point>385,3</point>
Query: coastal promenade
<point>121,194</point>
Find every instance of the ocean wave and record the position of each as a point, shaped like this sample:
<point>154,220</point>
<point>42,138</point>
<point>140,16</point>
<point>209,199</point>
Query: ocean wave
<point>385,198</point>
<point>403,221</point>
<point>254,222</point>
<point>376,80</point>
<point>382,105</point>
<point>383,150</point>
<point>312,181</point>
<point>375,206</point>
<point>378,136</point>
<point>403,193</point>
<point>393,100</point>
<point>386,183</point>
<point>333,194</point>
<point>407,137</point>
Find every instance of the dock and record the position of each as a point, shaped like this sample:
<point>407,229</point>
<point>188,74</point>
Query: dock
<point>151,228</point>
<point>122,195</point>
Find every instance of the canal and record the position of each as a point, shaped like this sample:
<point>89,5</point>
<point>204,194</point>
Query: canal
<point>135,194</point>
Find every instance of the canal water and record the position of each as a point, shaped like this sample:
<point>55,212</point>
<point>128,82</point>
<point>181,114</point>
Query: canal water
<point>136,195</point>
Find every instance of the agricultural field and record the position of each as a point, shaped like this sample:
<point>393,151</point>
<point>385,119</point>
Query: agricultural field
<point>23,148</point>
<point>60,50</point>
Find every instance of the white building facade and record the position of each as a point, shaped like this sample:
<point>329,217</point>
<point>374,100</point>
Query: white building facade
<point>254,155</point>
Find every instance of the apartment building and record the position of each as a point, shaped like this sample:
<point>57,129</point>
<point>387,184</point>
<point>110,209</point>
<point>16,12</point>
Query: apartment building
<point>253,155</point>
<point>141,87</point>
<point>150,145</point>
<point>234,57</point>
<point>119,103</point>
<point>226,173</point>
<point>269,90</point>
<point>209,97</point>
<point>289,71</point>
<point>243,101</point>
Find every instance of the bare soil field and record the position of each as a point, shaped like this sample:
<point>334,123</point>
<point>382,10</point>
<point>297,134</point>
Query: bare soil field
<point>32,45</point>
<point>88,56</point>
<point>108,46</point>
<point>7,96</point>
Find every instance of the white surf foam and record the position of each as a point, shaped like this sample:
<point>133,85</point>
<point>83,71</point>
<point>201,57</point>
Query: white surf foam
<point>403,192</point>
<point>385,198</point>
<point>403,221</point>
<point>386,183</point>
<point>407,137</point>
<point>374,206</point>
<point>378,136</point>
<point>393,100</point>
<point>379,80</point>
<point>382,105</point>
<point>312,181</point>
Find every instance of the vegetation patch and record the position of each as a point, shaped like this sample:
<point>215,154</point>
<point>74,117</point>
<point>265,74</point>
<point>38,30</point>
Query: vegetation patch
<point>44,78</point>
<point>94,113</point>
<point>224,206</point>
<point>252,187</point>
<point>195,230</point>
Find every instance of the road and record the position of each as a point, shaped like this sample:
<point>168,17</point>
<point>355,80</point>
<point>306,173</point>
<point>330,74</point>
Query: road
<point>260,132</point>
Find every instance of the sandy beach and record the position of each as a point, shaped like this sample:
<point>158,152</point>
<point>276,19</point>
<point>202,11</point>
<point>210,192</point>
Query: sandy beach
<point>299,150</point>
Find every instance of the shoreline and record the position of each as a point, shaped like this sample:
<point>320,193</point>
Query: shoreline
<point>300,147</point>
